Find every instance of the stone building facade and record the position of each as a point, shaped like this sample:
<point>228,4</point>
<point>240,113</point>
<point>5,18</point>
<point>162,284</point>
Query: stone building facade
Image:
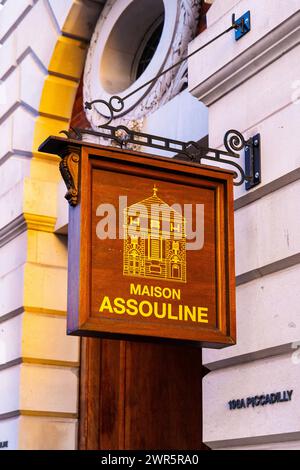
<point>251,85</point>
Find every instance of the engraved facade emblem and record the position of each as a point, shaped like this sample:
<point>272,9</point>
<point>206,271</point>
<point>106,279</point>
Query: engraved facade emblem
<point>154,240</point>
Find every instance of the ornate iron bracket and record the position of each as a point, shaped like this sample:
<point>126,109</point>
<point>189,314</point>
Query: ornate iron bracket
<point>69,168</point>
<point>116,103</point>
<point>189,151</point>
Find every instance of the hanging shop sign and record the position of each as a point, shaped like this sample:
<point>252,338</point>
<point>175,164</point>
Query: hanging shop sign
<point>151,249</point>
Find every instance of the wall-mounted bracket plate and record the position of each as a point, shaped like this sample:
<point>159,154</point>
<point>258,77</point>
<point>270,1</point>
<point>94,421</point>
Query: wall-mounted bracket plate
<point>252,162</point>
<point>243,25</point>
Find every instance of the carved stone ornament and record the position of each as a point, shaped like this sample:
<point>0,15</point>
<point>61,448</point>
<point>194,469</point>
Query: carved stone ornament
<point>180,22</point>
<point>69,169</point>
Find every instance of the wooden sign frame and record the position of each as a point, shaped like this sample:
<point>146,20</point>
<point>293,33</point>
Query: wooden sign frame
<point>81,166</point>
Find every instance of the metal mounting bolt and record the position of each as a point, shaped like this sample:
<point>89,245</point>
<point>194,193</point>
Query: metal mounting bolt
<point>255,143</point>
<point>256,175</point>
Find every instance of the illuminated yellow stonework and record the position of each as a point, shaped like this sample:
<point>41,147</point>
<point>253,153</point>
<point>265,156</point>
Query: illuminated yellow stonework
<point>154,240</point>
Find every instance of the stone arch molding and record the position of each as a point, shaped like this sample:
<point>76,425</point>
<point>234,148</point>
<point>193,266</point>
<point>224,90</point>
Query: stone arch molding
<point>180,23</point>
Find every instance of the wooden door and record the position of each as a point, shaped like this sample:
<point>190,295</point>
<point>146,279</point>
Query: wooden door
<point>140,396</point>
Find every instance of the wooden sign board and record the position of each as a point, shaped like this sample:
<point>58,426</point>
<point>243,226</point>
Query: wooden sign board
<point>151,249</point>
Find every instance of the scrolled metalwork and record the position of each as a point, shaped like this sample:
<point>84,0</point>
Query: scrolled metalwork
<point>112,108</point>
<point>196,153</point>
<point>73,133</point>
<point>234,141</point>
<point>121,101</point>
<point>188,151</point>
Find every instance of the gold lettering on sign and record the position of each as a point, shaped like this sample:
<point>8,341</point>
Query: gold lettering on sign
<point>154,247</point>
<point>146,309</point>
<point>155,291</point>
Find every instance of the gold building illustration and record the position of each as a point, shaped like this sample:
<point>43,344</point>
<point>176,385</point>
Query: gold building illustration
<point>154,240</point>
